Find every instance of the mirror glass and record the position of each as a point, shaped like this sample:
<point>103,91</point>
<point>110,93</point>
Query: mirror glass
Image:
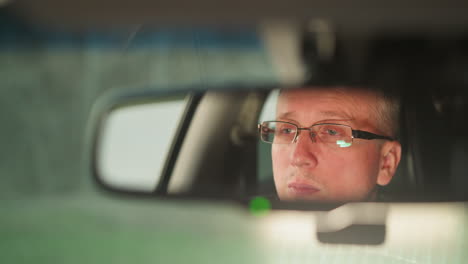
<point>221,151</point>
<point>369,146</point>
<point>135,142</point>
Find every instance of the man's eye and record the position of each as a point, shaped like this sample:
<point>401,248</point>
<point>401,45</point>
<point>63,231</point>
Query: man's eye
<point>286,131</point>
<point>332,132</point>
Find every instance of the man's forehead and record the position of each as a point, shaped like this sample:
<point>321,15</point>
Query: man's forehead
<point>332,114</point>
<point>318,100</point>
<point>338,91</point>
<point>344,104</point>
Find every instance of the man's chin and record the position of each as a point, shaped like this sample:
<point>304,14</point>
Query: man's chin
<point>304,195</point>
<point>313,196</point>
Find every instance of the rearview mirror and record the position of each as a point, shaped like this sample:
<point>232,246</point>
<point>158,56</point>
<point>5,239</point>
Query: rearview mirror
<point>208,144</point>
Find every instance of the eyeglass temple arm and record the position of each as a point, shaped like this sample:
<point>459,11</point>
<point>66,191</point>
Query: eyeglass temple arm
<point>368,135</point>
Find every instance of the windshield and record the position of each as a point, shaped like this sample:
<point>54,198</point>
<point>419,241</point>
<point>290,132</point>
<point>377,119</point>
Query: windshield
<point>180,134</point>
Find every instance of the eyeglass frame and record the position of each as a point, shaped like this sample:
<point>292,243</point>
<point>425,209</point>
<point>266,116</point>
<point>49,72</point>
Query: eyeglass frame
<point>354,133</point>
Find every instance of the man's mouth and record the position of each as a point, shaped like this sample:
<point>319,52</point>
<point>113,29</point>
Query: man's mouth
<point>302,189</point>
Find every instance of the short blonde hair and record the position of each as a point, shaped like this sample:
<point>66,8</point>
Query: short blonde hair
<point>386,108</point>
<point>388,114</point>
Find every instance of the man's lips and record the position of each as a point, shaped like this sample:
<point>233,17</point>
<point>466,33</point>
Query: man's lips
<point>302,188</point>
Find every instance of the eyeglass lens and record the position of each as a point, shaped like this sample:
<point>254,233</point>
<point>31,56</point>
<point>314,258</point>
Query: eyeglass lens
<point>285,133</point>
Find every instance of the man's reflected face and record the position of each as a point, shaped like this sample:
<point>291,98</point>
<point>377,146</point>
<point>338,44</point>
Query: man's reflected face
<point>311,170</point>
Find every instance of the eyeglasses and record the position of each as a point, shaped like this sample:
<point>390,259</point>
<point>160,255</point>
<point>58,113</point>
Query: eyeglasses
<point>280,132</point>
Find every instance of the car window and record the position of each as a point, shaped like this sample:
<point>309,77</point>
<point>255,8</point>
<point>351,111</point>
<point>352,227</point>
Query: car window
<point>264,168</point>
<point>136,141</point>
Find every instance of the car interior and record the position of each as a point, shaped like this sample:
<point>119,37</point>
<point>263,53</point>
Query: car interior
<point>69,69</point>
<point>217,152</point>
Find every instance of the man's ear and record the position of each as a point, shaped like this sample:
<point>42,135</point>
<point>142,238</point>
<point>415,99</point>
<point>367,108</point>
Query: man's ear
<point>390,156</point>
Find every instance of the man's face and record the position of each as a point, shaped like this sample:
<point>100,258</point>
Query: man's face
<point>311,170</point>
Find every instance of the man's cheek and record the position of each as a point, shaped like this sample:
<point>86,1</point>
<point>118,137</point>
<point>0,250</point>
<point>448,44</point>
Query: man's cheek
<point>280,165</point>
<point>279,168</point>
<point>338,177</point>
<point>354,185</point>
<point>279,157</point>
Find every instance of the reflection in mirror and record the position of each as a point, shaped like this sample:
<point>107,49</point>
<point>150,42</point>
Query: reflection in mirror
<point>135,141</point>
<point>223,152</point>
<point>264,168</point>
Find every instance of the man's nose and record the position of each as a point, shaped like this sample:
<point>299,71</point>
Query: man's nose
<point>305,151</point>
